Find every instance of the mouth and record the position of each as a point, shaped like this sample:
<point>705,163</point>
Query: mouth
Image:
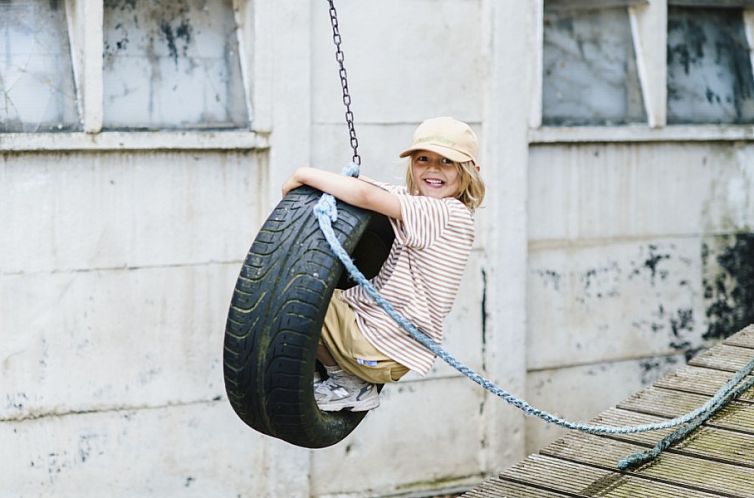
<point>434,182</point>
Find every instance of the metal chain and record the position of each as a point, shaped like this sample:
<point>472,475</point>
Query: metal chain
<point>344,82</point>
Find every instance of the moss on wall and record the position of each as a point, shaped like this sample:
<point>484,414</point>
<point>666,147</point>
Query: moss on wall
<point>728,284</point>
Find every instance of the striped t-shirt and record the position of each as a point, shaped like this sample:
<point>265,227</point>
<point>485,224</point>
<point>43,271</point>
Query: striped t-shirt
<point>420,277</point>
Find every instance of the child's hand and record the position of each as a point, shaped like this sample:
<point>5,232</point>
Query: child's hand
<point>291,183</point>
<point>353,191</point>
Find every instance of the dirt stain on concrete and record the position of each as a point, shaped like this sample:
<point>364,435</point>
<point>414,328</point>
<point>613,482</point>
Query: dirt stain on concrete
<point>728,268</point>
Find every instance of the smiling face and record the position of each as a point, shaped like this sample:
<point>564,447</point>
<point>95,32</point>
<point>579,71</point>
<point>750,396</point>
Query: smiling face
<point>434,175</point>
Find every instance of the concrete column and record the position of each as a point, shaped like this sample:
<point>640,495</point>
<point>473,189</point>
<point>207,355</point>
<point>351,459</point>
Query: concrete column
<point>290,141</point>
<point>511,39</point>
<point>284,28</point>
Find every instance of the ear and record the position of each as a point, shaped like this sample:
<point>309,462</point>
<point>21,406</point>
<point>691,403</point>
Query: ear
<point>477,167</point>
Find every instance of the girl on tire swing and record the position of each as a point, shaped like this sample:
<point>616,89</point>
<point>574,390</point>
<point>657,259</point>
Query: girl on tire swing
<point>432,218</point>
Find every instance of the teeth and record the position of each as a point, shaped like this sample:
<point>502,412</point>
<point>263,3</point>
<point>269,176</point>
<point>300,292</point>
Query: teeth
<point>433,181</point>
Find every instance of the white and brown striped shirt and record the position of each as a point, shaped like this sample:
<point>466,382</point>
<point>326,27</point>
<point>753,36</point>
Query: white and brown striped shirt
<point>420,277</point>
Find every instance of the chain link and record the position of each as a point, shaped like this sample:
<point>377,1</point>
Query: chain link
<point>339,57</point>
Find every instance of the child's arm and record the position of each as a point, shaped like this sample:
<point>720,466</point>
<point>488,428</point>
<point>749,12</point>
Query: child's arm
<point>348,189</point>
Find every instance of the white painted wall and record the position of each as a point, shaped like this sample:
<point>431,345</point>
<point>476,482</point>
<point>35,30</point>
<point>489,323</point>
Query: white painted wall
<point>119,252</point>
<point>116,273</point>
<point>118,265</point>
<point>616,270</point>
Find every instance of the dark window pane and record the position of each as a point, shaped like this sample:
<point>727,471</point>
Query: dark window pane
<point>709,71</point>
<point>590,75</point>
<point>172,64</point>
<point>36,73</point>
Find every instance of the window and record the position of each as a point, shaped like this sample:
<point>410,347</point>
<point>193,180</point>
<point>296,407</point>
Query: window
<point>617,62</point>
<point>36,72</point>
<point>171,64</point>
<point>710,77</point>
<point>590,72</point>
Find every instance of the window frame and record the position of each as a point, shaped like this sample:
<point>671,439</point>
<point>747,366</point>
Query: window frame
<point>85,19</point>
<point>649,33</point>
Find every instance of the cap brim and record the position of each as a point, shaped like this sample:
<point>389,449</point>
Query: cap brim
<point>447,152</point>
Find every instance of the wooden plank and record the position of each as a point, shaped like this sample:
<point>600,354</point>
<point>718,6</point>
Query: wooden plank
<point>496,487</point>
<point>575,479</point>
<point>712,461</point>
<point>745,338</point>
<point>671,468</point>
<point>670,404</point>
<point>699,380</point>
<point>715,460</point>
<point>706,442</point>
<point>723,357</point>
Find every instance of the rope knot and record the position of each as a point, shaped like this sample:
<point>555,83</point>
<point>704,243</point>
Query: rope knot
<point>326,207</point>
<point>352,170</point>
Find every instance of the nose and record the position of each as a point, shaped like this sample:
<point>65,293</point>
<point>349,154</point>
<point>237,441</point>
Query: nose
<point>435,164</point>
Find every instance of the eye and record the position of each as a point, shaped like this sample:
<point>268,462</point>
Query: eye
<point>421,159</point>
<point>447,162</point>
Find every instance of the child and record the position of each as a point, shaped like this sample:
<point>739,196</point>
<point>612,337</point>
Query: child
<point>434,229</point>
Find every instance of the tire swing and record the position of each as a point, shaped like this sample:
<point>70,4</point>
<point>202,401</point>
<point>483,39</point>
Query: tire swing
<point>276,315</point>
<point>279,303</point>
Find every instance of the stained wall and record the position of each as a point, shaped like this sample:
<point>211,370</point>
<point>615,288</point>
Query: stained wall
<point>639,255</point>
<point>604,257</point>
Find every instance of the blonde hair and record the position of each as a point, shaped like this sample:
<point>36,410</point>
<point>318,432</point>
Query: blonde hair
<point>471,189</point>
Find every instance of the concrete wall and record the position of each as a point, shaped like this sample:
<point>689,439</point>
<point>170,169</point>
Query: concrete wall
<point>623,247</point>
<point>116,273</point>
<point>603,258</point>
<point>120,252</point>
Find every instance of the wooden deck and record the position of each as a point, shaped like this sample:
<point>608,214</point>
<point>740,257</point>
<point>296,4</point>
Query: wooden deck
<point>715,460</point>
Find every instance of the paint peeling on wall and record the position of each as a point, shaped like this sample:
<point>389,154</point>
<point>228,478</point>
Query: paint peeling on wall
<point>652,369</point>
<point>15,402</point>
<point>676,320</point>
<point>550,278</point>
<point>181,34</point>
<point>728,263</point>
<point>600,282</point>
<point>650,264</point>
<point>626,301</point>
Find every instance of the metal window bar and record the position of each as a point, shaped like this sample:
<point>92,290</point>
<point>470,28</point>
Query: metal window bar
<point>591,4</point>
<point>718,4</point>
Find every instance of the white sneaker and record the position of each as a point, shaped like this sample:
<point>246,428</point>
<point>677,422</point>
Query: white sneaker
<point>317,379</point>
<point>346,392</point>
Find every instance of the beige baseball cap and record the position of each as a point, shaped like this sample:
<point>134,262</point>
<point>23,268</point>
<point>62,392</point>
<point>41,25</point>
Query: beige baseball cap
<point>446,136</point>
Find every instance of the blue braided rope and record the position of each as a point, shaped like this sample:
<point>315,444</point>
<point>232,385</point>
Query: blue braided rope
<point>679,434</point>
<point>327,212</point>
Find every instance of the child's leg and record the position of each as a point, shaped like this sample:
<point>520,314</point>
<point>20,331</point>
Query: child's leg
<point>352,362</point>
<point>344,387</point>
<point>342,390</point>
<point>324,356</point>
<point>326,359</point>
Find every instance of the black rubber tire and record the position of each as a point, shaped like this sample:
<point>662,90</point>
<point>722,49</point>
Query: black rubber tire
<point>277,311</point>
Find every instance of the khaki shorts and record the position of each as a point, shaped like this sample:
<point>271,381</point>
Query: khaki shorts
<point>351,350</point>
